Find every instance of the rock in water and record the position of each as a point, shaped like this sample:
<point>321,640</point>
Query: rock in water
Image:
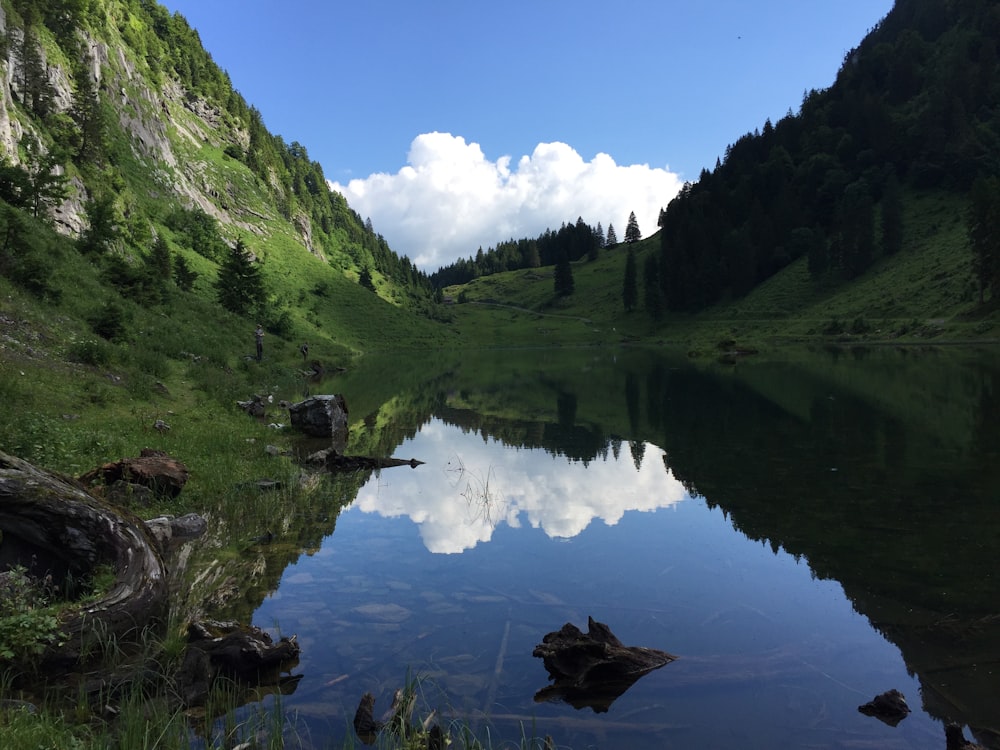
<point>594,668</point>
<point>889,707</point>
<point>320,416</point>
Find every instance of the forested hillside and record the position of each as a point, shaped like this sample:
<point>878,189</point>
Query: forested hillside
<point>878,200</point>
<point>915,107</point>
<point>119,130</point>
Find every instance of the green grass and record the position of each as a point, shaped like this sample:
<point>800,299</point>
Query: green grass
<point>925,293</point>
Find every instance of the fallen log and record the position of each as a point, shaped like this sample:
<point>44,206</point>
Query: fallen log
<point>337,462</point>
<point>334,461</point>
<point>49,520</point>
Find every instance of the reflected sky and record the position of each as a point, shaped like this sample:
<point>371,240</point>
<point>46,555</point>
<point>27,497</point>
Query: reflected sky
<point>775,646</point>
<point>468,486</point>
<point>769,655</point>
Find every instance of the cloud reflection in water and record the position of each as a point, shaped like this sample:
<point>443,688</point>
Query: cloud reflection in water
<point>468,486</point>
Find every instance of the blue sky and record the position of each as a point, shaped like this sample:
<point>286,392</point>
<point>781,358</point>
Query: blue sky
<point>454,124</point>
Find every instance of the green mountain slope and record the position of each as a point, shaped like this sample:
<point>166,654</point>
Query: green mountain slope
<point>926,293</point>
<point>117,127</point>
<point>129,171</point>
<point>849,219</point>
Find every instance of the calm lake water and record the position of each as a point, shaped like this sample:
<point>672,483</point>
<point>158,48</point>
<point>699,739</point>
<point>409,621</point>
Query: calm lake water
<point>803,534</point>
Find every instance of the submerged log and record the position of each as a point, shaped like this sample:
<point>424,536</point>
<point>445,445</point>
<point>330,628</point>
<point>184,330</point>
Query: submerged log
<point>594,668</point>
<point>52,517</point>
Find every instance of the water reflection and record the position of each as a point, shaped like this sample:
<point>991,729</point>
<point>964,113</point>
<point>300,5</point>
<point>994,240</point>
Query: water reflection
<point>838,541</point>
<point>458,500</point>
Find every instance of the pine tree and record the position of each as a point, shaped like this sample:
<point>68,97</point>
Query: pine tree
<point>158,269</point>
<point>103,228</point>
<point>36,90</point>
<point>854,238</point>
<point>184,276</point>
<point>612,237</point>
<point>630,294</point>
<point>563,275</point>
<point>240,287</point>
<point>46,185</point>
<point>88,116</point>
<point>632,233</point>
<point>159,259</point>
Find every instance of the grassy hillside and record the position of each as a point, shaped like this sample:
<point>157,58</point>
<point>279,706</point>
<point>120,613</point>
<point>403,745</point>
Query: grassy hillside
<point>135,140</point>
<point>82,399</point>
<point>926,293</point>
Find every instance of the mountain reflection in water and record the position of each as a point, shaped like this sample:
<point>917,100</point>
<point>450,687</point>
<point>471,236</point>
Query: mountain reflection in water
<point>871,481</point>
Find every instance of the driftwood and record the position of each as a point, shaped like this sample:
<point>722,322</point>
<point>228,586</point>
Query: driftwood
<point>246,654</point>
<point>334,461</point>
<point>594,668</point>
<point>52,517</point>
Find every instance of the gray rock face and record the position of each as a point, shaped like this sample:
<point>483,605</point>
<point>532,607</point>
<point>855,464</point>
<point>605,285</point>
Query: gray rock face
<point>321,416</point>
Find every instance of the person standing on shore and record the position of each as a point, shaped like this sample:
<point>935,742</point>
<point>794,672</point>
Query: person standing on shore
<point>259,335</point>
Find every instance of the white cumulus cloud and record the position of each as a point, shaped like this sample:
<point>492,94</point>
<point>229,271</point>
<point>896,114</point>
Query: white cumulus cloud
<point>450,199</point>
<point>469,486</point>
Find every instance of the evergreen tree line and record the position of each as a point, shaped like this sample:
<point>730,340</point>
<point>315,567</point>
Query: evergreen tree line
<point>914,106</point>
<point>571,242</point>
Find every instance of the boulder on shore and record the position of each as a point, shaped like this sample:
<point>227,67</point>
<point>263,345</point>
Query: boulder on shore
<point>153,469</point>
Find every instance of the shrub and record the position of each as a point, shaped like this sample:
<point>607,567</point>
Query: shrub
<point>833,327</point>
<point>109,321</point>
<point>860,326</point>
<point>91,352</point>
<point>27,625</point>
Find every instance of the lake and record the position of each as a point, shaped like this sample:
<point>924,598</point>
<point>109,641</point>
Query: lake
<point>803,533</point>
